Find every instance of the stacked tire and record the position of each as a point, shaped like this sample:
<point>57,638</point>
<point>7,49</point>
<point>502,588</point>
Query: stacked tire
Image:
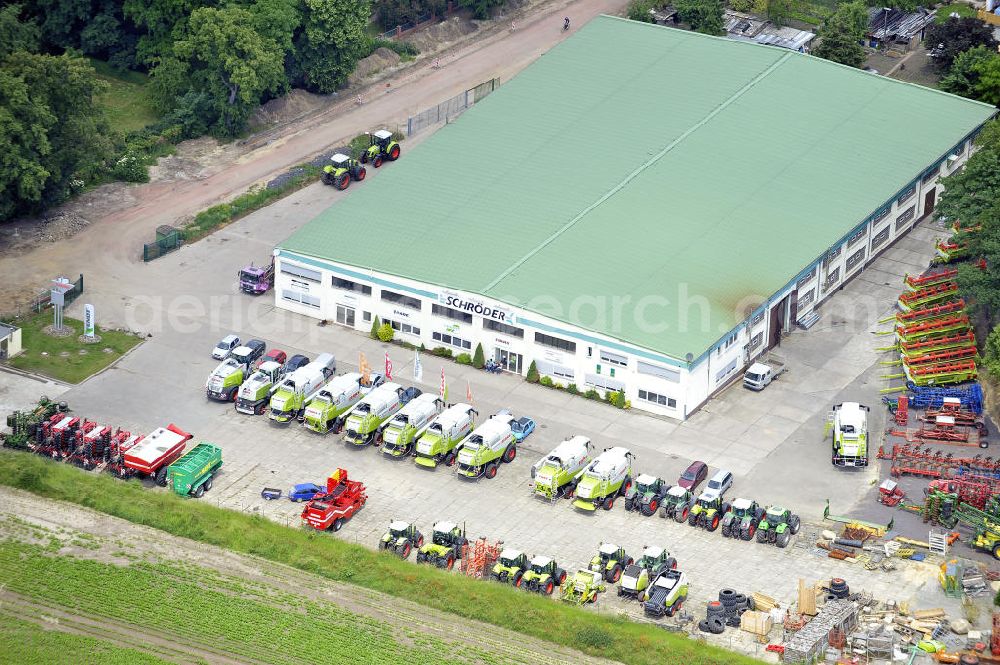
<point>726,611</point>
<point>839,589</point>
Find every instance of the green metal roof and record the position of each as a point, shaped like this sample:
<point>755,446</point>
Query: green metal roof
<point>691,175</point>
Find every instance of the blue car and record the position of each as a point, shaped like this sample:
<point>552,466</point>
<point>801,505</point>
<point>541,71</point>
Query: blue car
<point>521,428</point>
<point>305,492</point>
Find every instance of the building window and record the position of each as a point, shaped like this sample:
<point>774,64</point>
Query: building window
<point>832,278</point>
<point>613,359</point>
<point>400,299</point>
<point>858,236</point>
<point>402,327</point>
<point>880,237</point>
<point>450,313</point>
<point>304,273</point>
<point>833,253</point>
<point>490,324</point>
<point>881,215</point>
<point>726,371</point>
<point>555,342</point>
<point>807,299</point>
<point>366,316</point>
<point>451,340</point>
<point>304,298</point>
<point>348,285</point>
<point>552,369</point>
<point>756,340</point>
<point>659,400</point>
<point>905,218</point>
<point>603,383</point>
<point>757,318</point>
<point>655,370</point>
<point>854,259</point>
<point>907,195</point>
<point>729,341</point>
<point>930,174</point>
<point>803,281</point>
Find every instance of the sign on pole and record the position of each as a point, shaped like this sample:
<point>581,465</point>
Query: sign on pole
<point>57,296</point>
<point>88,321</point>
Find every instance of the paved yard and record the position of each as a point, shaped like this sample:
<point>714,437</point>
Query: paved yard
<point>771,440</point>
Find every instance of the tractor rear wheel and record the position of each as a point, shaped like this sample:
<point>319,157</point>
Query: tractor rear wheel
<point>561,574</point>
<point>794,523</point>
<point>342,181</point>
<point>671,563</point>
<point>509,454</point>
<point>491,470</point>
<point>626,486</point>
<point>338,523</point>
<point>361,173</point>
<point>761,536</point>
<point>650,508</point>
<point>377,162</point>
<point>782,539</point>
<point>629,504</point>
<point>420,540</point>
<point>749,532</point>
<point>394,152</point>
<point>609,502</point>
<point>682,514</point>
<point>693,519</point>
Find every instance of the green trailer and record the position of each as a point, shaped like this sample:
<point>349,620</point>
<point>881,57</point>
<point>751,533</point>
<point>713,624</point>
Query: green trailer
<point>193,473</point>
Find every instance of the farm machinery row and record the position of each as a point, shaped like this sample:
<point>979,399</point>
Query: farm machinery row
<point>51,430</point>
<point>341,170</point>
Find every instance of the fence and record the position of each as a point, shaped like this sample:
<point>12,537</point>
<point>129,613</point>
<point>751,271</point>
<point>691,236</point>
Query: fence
<point>450,108</point>
<point>168,239</point>
<point>41,301</point>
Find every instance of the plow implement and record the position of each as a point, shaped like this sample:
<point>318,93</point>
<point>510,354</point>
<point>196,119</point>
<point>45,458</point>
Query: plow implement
<point>916,282</point>
<point>930,295</point>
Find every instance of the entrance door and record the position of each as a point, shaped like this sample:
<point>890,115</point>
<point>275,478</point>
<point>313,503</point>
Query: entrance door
<point>776,324</point>
<point>345,316</point>
<point>929,201</point>
<point>509,360</point>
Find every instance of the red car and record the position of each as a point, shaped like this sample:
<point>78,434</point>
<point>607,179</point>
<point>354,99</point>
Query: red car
<point>694,475</point>
<point>276,355</point>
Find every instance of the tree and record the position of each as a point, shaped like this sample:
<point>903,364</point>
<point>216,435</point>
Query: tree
<point>964,75</point>
<point>988,88</point>
<point>955,35</point>
<point>481,9</point>
<point>163,21</point>
<point>991,358</point>
<point>17,35</point>
<point>702,15</point>
<point>375,326</point>
<point>227,58</point>
<point>479,358</point>
<point>385,332</point>
<point>532,376</point>
<point>779,11</point>
<point>332,41</point>
<point>638,10</point>
<point>840,36</point>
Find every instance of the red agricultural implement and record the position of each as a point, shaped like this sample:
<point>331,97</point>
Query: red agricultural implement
<point>936,357</point>
<point>926,296</point>
<point>924,313</point>
<point>938,343</point>
<point>92,441</point>
<point>943,374</point>
<point>55,436</point>
<point>479,556</point>
<point>916,282</point>
<point>149,456</point>
<point>890,493</point>
<point>923,329</point>
<point>974,492</point>
<point>343,498</point>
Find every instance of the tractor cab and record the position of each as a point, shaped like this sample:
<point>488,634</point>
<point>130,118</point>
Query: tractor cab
<point>446,534</point>
<point>646,484</point>
<point>341,170</point>
<point>743,508</point>
<point>609,553</point>
<point>400,529</point>
<point>543,565</point>
<point>381,147</point>
<point>709,501</point>
<point>652,557</point>
<point>513,559</point>
<point>678,494</point>
<point>776,515</point>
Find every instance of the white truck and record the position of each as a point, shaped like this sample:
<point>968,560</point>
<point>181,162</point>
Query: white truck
<point>555,475</point>
<point>408,424</point>
<point>762,373</point>
<point>365,421</point>
<point>445,432</point>
<point>297,389</point>
<point>481,452</point>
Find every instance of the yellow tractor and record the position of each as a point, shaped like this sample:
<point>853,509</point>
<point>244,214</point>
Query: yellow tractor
<point>341,170</point>
<point>381,148</point>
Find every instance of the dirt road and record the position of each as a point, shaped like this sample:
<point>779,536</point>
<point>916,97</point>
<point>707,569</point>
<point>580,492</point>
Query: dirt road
<point>108,249</point>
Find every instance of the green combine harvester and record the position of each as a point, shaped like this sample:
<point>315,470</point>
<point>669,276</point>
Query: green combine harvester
<point>402,432</point>
<point>365,421</point>
<point>608,476</point>
<point>556,474</point>
<point>327,411</point>
<point>439,441</point>
<point>194,472</point>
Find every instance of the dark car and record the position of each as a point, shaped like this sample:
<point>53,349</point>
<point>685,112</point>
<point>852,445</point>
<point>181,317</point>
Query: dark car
<point>295,362</point>
<point>277,356</point>
<point>408,394</point>
<point>258,347</point>
<point>305,491</point>
<point>693,476</point>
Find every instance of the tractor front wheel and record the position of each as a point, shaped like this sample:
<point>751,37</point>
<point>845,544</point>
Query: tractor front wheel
<point>609,502</point>
<point>491,470</point>
<point>549,588</point>
<point>342,182</point>
<point>714,524</point>
<point>794,523</point>
<point>761,536</point>
<point>518,578</point>
<point>377,162</point>
<point>749,533</point>
<point>782,539</point>
<point>650,508</point>
<point>361,174</point>
<point>693,519</point>
<point>615,573</point>
<point>404,551</point>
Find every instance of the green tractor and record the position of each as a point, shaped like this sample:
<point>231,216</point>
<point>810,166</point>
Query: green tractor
<point>543,576</point>
<point>510,567</point>
<point>653,562</point>
<point>646,495</point>
<point>609,561</point>
<point>583,588</point>
<point>445,547</point>
<point>708,511</point>
<point>677,503</point>
<point>381,147</point>
<point>742,519</point>
<point>778,526</point>
<point>341,170</point>
<point>401,538</point>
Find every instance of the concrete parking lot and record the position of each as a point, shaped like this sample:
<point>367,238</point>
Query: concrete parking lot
<point>771,440</point>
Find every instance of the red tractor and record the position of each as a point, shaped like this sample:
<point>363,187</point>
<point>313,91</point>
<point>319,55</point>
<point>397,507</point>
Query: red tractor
<point>342,499</point>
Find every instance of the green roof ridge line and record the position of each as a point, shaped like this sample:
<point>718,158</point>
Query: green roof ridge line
<point>631,176</point>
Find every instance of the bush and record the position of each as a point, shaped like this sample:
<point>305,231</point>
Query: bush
<point>131,167</point>
<point>572,389</point>
<point>592,394</point>
<point>741,5</point>
<point>638,10</point>
<point>616,398</point>
<point>532,376</point>
<point>546,381</point>
<point>405,50</point>
<point>386,333</point>
<point>441,352</point>
<point>479,359</point>
<point>463,359</point>
<point>376,324</point>
<point>358,145</point>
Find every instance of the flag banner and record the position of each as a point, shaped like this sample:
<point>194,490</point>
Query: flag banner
<point>388,367</point>
<point>418,369</point>
<point>365,369</point>
<point>468,392</point>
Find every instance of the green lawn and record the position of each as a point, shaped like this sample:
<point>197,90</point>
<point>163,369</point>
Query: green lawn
<point>35,645</point>
<point>959,8</point>
<point>127,101</point>
<point>75,366</point>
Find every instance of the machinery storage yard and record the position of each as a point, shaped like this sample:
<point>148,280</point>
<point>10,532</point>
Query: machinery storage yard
<point>839,503</point>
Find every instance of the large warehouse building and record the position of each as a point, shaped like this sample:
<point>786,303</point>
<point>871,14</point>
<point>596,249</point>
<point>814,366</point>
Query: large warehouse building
<point>643,209</point>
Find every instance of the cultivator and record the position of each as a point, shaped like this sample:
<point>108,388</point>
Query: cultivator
<point>926,397</point>
<point>927,296</point>
<point>479,556</point>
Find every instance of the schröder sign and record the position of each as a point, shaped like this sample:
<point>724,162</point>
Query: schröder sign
<point>455,301</point>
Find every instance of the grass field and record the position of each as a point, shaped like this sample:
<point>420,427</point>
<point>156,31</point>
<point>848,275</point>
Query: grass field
<point>960,8</point>
<point>597,634</point>
<point>35,645</point>
<point>127,100</point>
<point>75,366</point>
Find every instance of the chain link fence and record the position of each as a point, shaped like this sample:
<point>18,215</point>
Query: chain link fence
<point>167,240</point>
<point>450,108</point>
